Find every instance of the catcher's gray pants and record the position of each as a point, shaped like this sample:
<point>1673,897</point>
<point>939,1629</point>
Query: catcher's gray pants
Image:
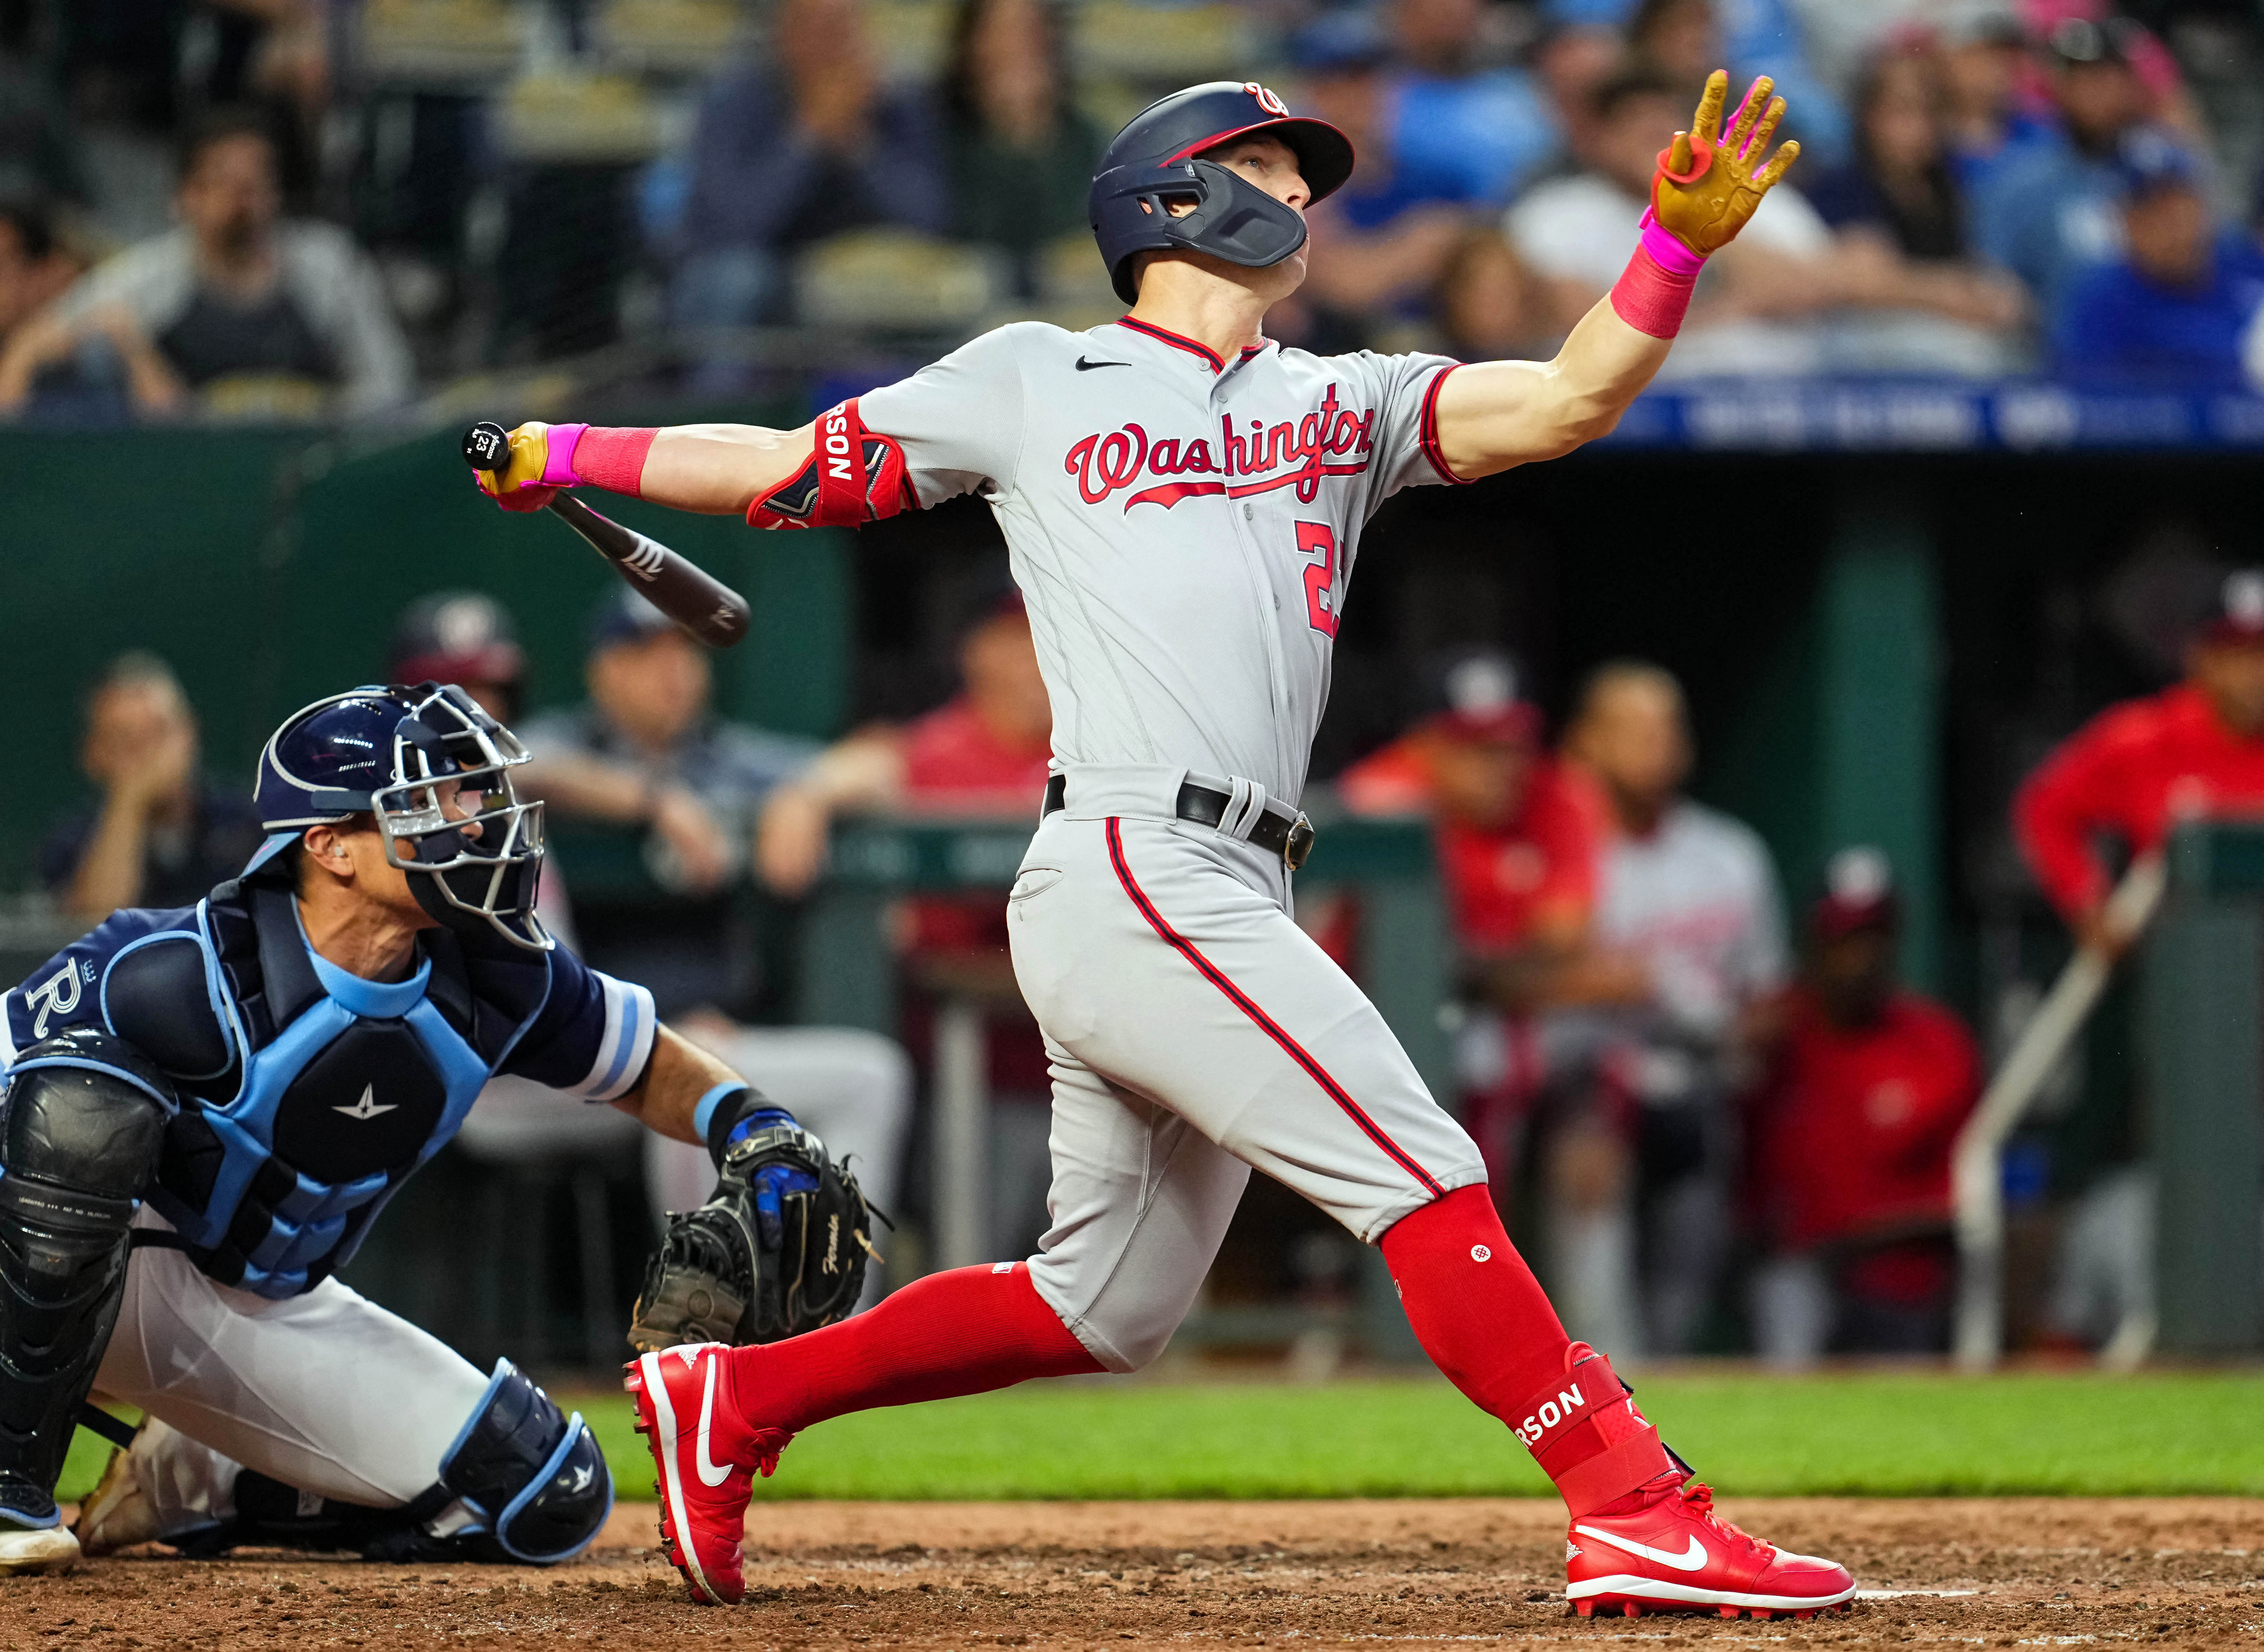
<point>326,1392</point>
<point>1196,1032</point>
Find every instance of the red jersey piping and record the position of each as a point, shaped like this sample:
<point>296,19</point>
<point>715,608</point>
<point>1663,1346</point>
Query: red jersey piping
<point>1427,431</point>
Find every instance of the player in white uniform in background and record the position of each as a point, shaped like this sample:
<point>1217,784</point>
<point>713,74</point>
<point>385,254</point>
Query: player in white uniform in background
<point>1687,908</point>
<point>1183,501</point>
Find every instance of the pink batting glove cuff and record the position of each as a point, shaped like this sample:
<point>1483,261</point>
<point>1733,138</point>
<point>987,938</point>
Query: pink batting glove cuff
<point>559,443</point>
<point>1667,249</point>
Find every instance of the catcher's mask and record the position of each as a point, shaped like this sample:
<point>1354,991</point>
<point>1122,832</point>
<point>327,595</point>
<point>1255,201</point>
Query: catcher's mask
<point>402,754</point>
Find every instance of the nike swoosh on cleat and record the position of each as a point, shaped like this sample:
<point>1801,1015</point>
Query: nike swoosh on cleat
<point>1690,1561</point>
<point>663,1417</point>
<point>1084,366</point>
<point>711,1475</point>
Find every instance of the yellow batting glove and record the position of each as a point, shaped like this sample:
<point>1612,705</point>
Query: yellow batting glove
<point>1709,183</point>
<point>518,485</point>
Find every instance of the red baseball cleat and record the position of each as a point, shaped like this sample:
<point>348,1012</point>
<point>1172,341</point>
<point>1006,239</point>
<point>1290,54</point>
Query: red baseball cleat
<point>1671,1551</point>
<point>708,1456</point>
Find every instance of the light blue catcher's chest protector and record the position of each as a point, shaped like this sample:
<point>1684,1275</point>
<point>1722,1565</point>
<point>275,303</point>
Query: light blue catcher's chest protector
<point>334,1088</point>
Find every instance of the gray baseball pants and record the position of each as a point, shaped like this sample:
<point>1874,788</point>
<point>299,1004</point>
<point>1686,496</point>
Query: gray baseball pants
<point>1196,1033</point>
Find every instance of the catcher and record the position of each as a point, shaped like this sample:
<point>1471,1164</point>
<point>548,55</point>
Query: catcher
<point>203,1110</point>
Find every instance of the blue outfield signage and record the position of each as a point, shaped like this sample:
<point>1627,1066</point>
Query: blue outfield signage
<point>1932,416</point>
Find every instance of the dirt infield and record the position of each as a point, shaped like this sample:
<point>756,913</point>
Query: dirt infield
<point>2170,1572</point>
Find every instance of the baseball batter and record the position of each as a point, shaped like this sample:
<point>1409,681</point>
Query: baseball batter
<point>204,1109</point>
<point>1183,501</point>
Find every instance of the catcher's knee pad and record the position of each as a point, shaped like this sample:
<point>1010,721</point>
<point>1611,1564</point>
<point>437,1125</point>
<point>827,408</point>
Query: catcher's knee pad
<point>81,1126</point>
<point>534,1478</point>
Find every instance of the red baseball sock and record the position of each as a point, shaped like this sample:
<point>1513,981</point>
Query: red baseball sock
<point>1485,1322</point>
<point>967,1331</point>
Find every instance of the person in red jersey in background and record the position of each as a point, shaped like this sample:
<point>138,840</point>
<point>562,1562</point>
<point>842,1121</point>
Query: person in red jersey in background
<point>2138,768</point>
<point>1517,836</point>
<point>1850,1139</point>
<point>985,752</point>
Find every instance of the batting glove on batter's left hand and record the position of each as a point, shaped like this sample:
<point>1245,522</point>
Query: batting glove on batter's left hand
<point>1709,183</point>
<point>518,485</point>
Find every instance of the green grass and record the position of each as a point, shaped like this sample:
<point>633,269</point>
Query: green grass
<point>1870,1435</point>
<point>1867,1434</point>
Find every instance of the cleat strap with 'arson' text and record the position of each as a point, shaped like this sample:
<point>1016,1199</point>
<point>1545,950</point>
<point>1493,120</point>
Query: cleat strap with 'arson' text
<point>1587,1434</point>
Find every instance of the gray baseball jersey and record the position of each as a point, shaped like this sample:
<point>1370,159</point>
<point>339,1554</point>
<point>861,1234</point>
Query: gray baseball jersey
<point>1183,528</point>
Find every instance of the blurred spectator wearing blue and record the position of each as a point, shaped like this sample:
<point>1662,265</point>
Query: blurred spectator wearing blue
<point>1460,129</point>
<point>1899,222</point>
<point>1688,40</point>
<point>1757,302</point>
<point>2050,210</point>
<point>162,835</point>
<point>803,144</point>
<point>1018,152</point>
<point>252,314</point>
<point>1984,57</point>
<point>2174,309</point>
<point>647,753</point>
<point>1380,242</point>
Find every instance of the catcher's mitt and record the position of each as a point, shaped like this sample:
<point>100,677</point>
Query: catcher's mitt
<point>780,1248</point>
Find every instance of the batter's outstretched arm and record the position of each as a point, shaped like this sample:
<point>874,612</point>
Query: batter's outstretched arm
<point>1493,416</point>
<point>1496,415</point>
<point>714,469</point>
<point>722,469</point>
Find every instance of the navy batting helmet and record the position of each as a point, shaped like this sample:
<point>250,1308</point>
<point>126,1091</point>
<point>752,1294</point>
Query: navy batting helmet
<point>1154,159</point>
<point>387,751</point>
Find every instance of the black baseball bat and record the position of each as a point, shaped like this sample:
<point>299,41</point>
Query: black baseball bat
<point>695,599</point>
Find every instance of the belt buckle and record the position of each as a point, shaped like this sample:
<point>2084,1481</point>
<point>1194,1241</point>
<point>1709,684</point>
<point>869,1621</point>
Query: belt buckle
<point>1300,846</point>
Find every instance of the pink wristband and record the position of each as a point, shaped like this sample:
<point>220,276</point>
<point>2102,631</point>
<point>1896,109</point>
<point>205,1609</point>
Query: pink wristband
<point>1653,294</point>
<point>611,457</point>
<point>605,456</point>
<point>1669,250</point>
<point>559,443</point>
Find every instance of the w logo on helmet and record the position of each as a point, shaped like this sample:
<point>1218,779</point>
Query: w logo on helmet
<point>1270,102</point>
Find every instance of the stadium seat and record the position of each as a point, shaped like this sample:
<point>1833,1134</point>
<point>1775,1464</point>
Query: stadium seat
<point>441,43</point>
<point>1164,43</point>
<point>895,280</point>
<point>670,36</point>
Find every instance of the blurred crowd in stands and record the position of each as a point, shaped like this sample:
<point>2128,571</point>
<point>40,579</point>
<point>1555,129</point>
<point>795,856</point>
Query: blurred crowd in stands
<point>1695,1111</point>
<point>280,209</point>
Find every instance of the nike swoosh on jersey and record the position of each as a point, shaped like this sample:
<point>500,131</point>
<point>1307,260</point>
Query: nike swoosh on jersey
<point>1084,366</point>
<point>1690,1561</point>
<point>710,1473</point>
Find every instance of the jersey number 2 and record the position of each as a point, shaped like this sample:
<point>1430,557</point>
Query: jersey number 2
<point>1321,577</point>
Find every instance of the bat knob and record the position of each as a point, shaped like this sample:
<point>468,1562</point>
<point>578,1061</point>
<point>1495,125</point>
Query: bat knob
<point>487,446</point>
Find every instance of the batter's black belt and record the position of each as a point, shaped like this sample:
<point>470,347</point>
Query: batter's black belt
<point>1288,835</point>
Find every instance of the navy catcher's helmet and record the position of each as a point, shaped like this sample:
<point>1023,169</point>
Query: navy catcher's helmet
<point>380,751</point>
<point>1154,159</point>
